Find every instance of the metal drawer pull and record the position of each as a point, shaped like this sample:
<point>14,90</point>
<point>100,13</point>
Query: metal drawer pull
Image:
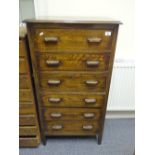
<point>54,82</point>
<point>89,115</point>
<point>52,62</point>
<point>92,63</point>
<point>57,127</point>
<point>54,100</point>
<point>56,115</point>
<point>94,40</point>
<point>90,100</point>
<point>91,82</point>
<point>51,39</point>
<point>87,127</point>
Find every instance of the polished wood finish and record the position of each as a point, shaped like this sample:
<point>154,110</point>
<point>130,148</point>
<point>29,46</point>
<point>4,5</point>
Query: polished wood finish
<point>29,135</point>
<point>72,63</point>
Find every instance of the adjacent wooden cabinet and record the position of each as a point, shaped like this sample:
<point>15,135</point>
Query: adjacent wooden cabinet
<point>29,135</point>
<point>72,63</point>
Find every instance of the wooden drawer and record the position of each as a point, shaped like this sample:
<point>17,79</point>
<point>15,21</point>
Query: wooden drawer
<point>23,68</point>
<point>26,108</point>
<point>27,119</point>
<point>51,114</point>
<point>72,100</point>
<point>76,128</point>
<point>29,141</point>
<point>71,39</point>
<point>21,48</point>
<point>24,82</point>
<point>25,95</point>
<point>27,130</point>
<point>91,82</point>
<point>73,62</point>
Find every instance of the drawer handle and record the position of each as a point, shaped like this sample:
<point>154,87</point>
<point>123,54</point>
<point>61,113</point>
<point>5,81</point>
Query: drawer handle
<point>54,82</point>
<point>57,127</point>
<point>89,115</point>
<point>56,115</point>
<point>92,63</point>
<point>54,100</point>
<point>91,82</point>
<point>51,39</point>
<point>87,127</point>
<point>90,100</point>
<point>94,40</point>
<point>52,62</point>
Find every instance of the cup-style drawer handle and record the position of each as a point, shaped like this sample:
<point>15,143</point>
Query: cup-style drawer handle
<point>57,127</point>
<point>94,40</point>
<point>52,62</point>
<point>89,115</point>
<point>90,100</point>
<point>53,82</point>
<point>87,127</point>
<point>56,115</point>
<point>51,39</point>
<point>92,63</point>
<point>54,100</point>
<point>91,82</point>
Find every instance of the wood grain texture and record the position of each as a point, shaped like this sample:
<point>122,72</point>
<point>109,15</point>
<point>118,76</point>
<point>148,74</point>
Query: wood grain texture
<point>72,100</point>
<point>59,57</point>
<point>73,62</point>
<point>29,141</point>
<point>71,40</point>
<point>71,128</point>
<point>76,82</point>
<point>70,114</point>
<point>27,108</point>
<point>28,130</point>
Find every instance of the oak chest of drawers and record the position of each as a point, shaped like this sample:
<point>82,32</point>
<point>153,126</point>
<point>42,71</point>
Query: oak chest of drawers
<point>29,135</point>
<point>72,64</point>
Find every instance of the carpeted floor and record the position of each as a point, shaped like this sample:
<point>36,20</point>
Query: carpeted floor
<point>118,139</point>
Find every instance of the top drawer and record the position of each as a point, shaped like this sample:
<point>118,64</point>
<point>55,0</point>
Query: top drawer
<point>48,40</point>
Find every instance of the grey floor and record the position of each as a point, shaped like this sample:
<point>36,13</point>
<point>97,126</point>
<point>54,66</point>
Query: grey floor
<point>118,139</point>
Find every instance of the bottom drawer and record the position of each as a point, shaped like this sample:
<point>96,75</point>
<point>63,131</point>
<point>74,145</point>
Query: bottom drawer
<point>72,128</point>
<point>29,141</point>
<point>27,119</point>
<point>27,130</point>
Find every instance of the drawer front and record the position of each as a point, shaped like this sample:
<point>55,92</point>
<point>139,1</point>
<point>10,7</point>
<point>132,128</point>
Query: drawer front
<point>91,82</point>
<point>71,114</point>
<point>71,39</point>
<point>29,141</point>
<point>25,95</point>
<point>21,48</point>
<point>72,100</point>
<point>23,68</point>
<point>27,130</point>
<point>73,62</point>
<point>24,82</point>
<point>27,119</point>
<point>26,108</point>
<point>72,128</point>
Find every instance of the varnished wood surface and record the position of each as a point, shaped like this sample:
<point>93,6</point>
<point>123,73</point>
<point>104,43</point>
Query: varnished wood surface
<point>72,100</point>
<point>73,82</point>
<point>70,114</point>
<point>73,62</point>
<point>73,20</point>
<point>71,128</point>
<point>51,42</point>
<point>72,40</point>
<point>27,108</point>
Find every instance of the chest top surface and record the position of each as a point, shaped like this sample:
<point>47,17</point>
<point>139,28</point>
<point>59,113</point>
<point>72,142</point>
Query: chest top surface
<point>73,20</point>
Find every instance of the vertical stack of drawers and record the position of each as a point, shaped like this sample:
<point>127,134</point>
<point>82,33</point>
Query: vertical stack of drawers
<point>28,123</point>
<point>72,64</point>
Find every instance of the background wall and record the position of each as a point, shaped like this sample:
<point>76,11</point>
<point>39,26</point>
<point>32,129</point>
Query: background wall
<point>122,10</point>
